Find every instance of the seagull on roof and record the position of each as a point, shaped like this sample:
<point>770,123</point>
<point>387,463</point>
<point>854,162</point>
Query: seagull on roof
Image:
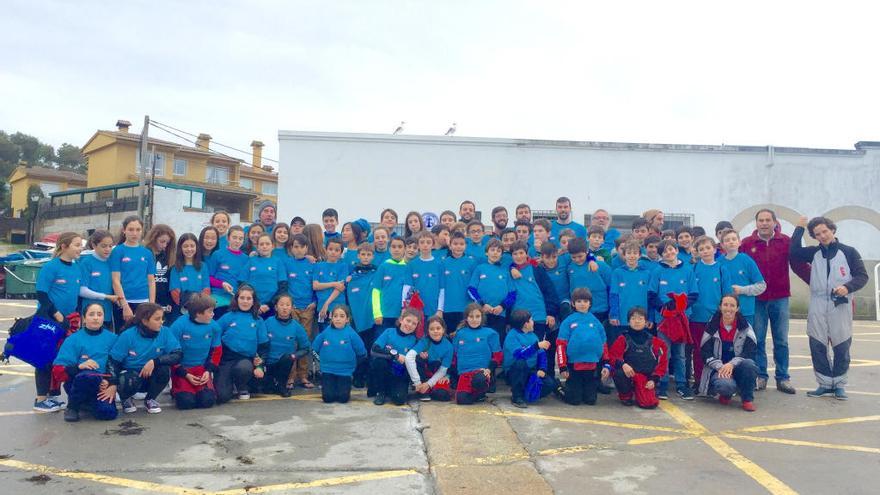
<point>399,128</point>
<point>451,130</point>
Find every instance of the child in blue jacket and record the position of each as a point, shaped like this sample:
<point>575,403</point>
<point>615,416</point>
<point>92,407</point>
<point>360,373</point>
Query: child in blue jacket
<point>492,288</point>
<point>457,270</point>
<point>581,351</point>
<point>81,365</point>
<point>525,355</point>
<point>245,346</point>
<point>192,383</point>
<point>388,378</point>
<point>340,348</point>
<point>477,353</point>
<point>358,288</point>
<point>429,361</point>
<point>387,294</point>
<point>265,274</point>
<point>288,343</point>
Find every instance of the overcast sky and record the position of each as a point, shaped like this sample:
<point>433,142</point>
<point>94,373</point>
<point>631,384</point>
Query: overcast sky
<point>782,73</point>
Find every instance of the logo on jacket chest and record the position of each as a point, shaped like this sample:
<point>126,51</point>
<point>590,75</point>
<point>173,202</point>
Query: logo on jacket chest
<point>96,274</point>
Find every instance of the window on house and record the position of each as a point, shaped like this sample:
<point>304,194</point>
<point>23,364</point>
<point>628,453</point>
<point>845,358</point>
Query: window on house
<point>270,188</point>
<point>246,183</point>
<point>179,166</point>
<point>217,175</point>
<point>49,188</point>
<point>158,159</point>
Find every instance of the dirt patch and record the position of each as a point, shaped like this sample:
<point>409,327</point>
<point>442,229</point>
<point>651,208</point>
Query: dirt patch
<point>5,456</point>
<point>126,428</point>
<point>244,460</point>
<point>40,479</point>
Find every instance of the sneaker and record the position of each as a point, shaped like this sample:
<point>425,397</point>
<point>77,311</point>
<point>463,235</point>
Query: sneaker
<point>819,392</point>
<point>128,405</point>
<point>749,406</point>
<point>784,386</point>
<point>46,406</point>
<point>686,394</point>
<point>519,403</point>
<point>244,395</point>
<point>663,395</point>
<point>761,383</point>
<point>424,397</point>
<point>57,399</point>
<point>71,415</point>
<point>287,392</point>
<point>140,396</point>
<point>840,394</point>
<point>379,400</point>
<point>723,400</point>
<point>152,406</point>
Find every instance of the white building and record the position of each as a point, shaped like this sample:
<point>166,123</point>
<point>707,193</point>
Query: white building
<point>361,174</point>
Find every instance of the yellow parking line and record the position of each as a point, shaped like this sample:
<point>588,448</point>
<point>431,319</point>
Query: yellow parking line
<point>341,480</point>
<point>563,419</point>
<point>100,478</point>
<point>801,443</point>
<point>17,413</point>
<point>658,439</point>
<point>754,471</point>
<point>16,373</point>
<point>18,305</point>
<point>807,424</point>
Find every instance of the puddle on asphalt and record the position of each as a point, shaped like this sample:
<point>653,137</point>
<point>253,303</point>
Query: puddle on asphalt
<point>40,479</point>
<point>126,428</point>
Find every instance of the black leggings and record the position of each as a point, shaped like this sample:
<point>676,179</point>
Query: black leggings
<point>582,387</point>
<point>387,382</point>
<point>131,382</point>
<point>43,381</point>
<point>235,373</point>
<point>499,324</point>
<point>452,320</point>
<point>279,372</point>
<point>335,388</point>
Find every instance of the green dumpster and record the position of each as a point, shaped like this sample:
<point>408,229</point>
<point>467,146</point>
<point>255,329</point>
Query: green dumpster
<point>21,277</point>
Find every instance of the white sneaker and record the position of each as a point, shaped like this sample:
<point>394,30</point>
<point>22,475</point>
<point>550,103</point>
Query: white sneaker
<point>139,396</point>
<point>152,406</point>
<point>128,406</point>
<point>244,395</point>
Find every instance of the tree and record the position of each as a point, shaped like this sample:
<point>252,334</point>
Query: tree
<point>70,157</point>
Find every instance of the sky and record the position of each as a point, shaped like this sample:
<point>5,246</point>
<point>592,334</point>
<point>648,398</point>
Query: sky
<point>753,73</point>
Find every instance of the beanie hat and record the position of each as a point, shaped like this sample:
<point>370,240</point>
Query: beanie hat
<point>364,225</point>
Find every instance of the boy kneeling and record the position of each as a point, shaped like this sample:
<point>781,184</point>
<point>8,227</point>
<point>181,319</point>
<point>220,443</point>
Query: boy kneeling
<point>524,356</point>
<point>639,360</point>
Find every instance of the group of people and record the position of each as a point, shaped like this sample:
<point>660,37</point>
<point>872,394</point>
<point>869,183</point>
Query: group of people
<point>441,312</point>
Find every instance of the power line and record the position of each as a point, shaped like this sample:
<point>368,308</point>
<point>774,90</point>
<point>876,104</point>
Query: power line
<point>214,142</point>
<point>161,127</point>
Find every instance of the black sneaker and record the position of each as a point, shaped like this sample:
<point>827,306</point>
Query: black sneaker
<point>71,415</point>
<point>686,394</point>
<point>287,392</point>
<point>519,403</point>
<point>379,400</point>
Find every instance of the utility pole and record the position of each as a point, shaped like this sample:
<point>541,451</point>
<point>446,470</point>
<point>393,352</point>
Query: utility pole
<point>142,169</point>
<point>152,185</point>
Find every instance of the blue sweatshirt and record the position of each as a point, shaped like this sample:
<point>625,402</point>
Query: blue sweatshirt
<point>491,284</point>
<point>477,251</point>
<point>556,228</point>
<point>535,293</point>
<point>583,338</point>
<point>559,278</point>
<point>132,350</point>
<point>437,351</point>
<point>242,333</point>
<point>456,277</point>
<point>133,264</point>
<point>629,288</point>
<point>708,280</point>
<point>598,282</point>
<point>326,271</point>
<point>189,279</point>
<point>350,258</point>
<point>360,298</point>
<point>299,281</point>
<point>475,347</point>
<point>521,345</point>
<point>427,277</point>
<point>285,338</point>
<point>677,280</point>
<point>226,265</point>
<point>388,288</point>
<point>196,340</point>
<point>61,280</point>
<point>85,344</point>
<point>380,257</point>
<point>339,350</point>
<point>95,275</point>
<point>264,275</point>
<point>392,338</point>
<point>741,270</point>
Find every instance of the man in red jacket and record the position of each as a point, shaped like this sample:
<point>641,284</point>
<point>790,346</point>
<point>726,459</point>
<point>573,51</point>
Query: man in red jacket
<point>769,247</point>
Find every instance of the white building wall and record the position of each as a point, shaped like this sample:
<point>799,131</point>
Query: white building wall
<point>360,174</point>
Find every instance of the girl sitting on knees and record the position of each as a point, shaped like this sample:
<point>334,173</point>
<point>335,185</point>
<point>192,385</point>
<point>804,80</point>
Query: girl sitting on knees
<point>245,346</point>
<point>428,362</point>
<point>728,349</point>
<point>387,368</point>
<point>192,384</point>
<point>142,357</point>
<point>288,343</point>
<point>477,351</point>
<point>339,348</point>
<point>81,365</point>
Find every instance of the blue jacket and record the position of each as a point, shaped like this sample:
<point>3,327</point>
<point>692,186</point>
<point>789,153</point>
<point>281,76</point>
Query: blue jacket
<point>134,264</point>
<point>521,345</point>
<point>95,275</point>
<point>299,281</point>
<point>225,266</point>
<point>676,280</point>
<point>286,337</point>
<point>339,350</point>
<point>358,291</point>
<point>264,275</point>
<point>491,284</point>
<point>437,351</point>
<point>189,279</point>
<point>535,293</point>
<point>456,277</point>
<point>581,340</point>
<point>708,279</point>
<point>132,350</point>
<point>61,281</point>
<point>598,282</point>
<point>85,344</point>
<point>629,288</point>
<point>392,338</point>
<point>475,348</point>
<point>426,276</point>
<point>197,340</point>
<point>559,278</point>
<point>324,272</point>
<point>741,270</point>
<point>388,288</point>
<point>556,228</point>
<point>242,333</point>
